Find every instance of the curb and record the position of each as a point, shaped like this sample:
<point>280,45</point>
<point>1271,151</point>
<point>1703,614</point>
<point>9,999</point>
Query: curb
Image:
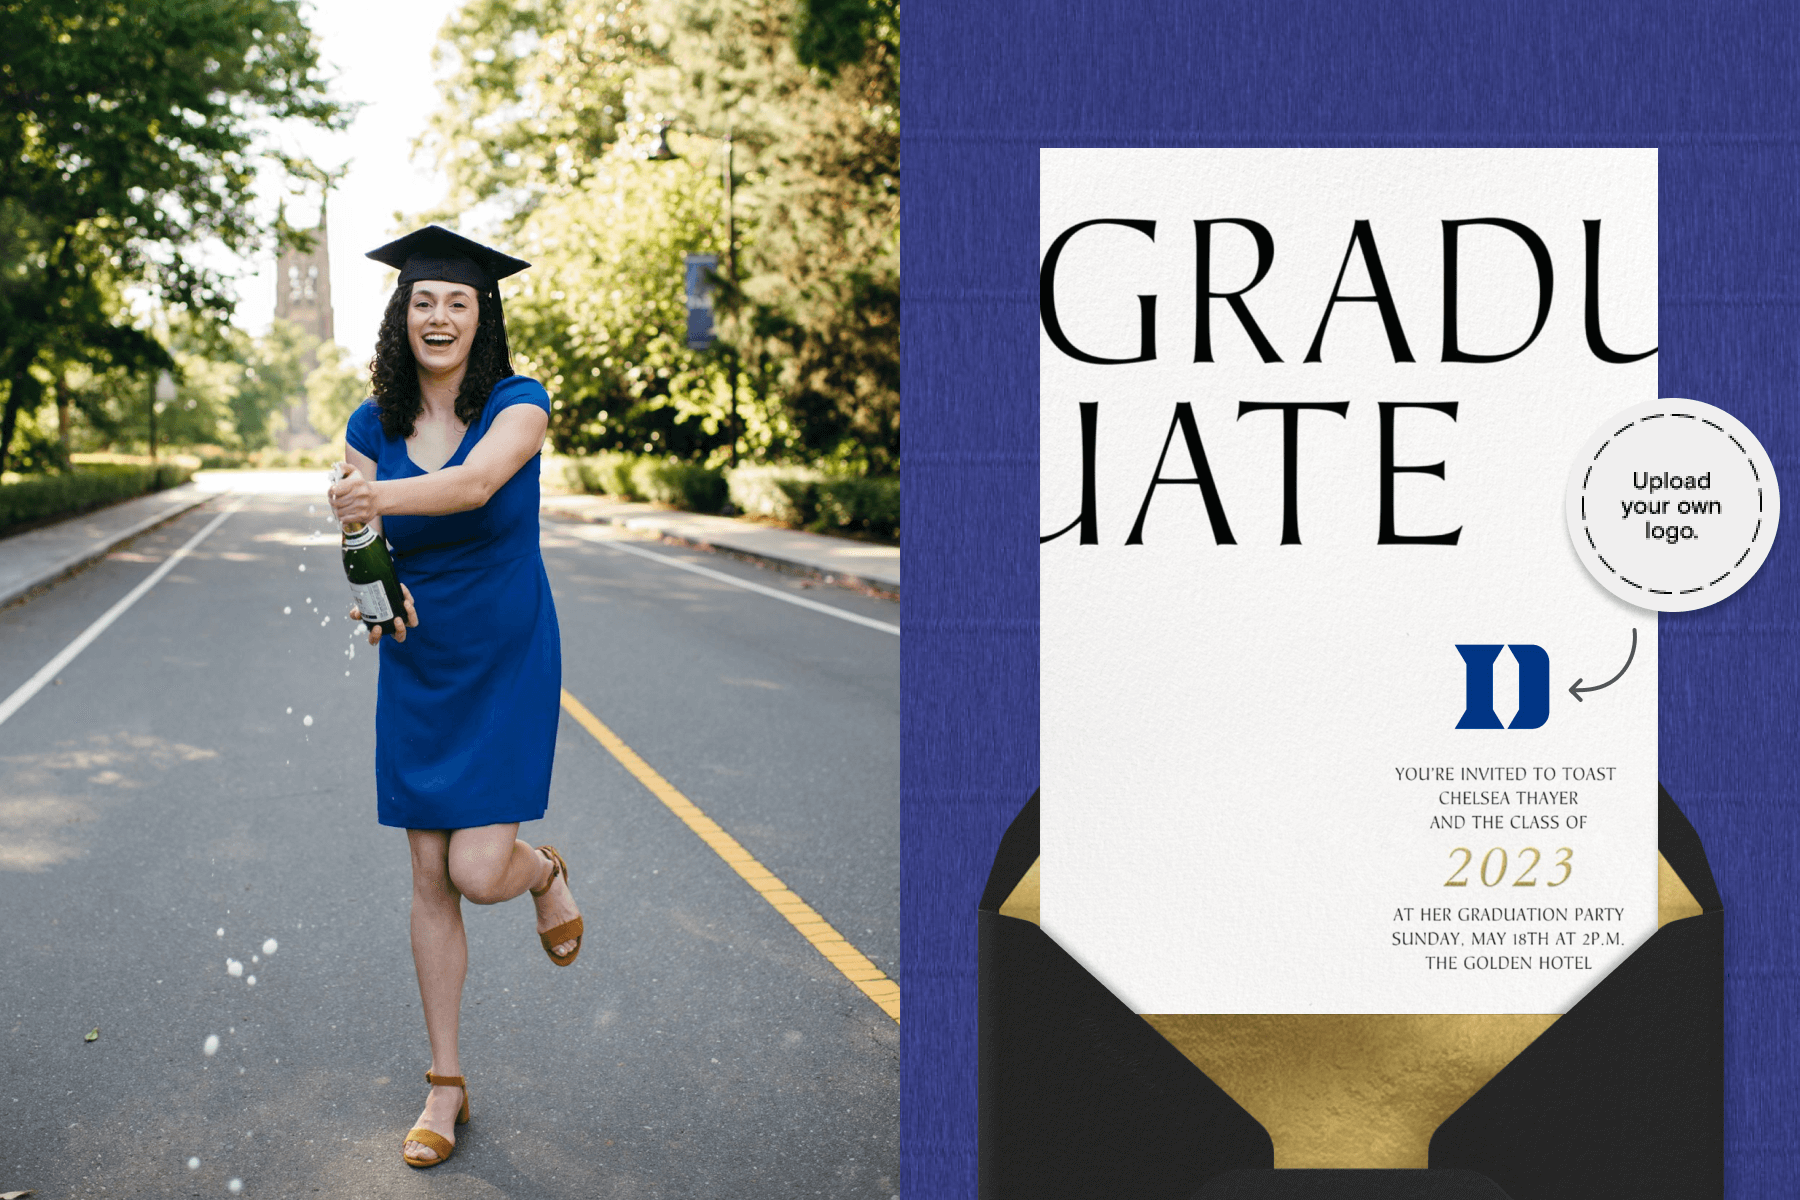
<point>94,551</point>
<point>882,588</point>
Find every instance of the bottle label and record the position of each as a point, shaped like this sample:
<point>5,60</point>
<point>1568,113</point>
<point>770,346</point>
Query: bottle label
<point>372,601</point>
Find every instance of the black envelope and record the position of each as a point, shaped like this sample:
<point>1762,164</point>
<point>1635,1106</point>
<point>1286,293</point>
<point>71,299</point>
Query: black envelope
<point>1621,1097</point>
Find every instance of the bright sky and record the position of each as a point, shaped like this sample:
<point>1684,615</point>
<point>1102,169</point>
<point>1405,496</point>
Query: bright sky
<point>379,53</point>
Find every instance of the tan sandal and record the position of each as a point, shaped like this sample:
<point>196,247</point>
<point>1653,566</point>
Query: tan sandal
<point>569,930</point>
<point>436,1141</point>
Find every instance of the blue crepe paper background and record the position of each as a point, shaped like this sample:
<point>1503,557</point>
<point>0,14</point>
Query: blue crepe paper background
<point>986,84</point>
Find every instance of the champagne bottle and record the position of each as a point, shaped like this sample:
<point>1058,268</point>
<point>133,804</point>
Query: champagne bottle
<point>370,570</point>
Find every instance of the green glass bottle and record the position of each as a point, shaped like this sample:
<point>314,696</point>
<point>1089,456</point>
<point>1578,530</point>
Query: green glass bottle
<point>370,570</point>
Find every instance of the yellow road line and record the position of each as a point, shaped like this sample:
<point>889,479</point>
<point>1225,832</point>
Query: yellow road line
<point>814,928</point>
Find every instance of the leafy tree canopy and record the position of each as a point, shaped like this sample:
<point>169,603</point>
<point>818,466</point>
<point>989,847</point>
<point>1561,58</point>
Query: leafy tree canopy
<point>537,94</point>
<point>551,109</point>
<point>334,388</point>
<point>129,134</point>
<point>829,34</point>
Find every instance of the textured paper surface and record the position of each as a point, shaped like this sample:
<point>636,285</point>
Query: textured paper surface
<point>1223,726</point>
<point>986,85</point>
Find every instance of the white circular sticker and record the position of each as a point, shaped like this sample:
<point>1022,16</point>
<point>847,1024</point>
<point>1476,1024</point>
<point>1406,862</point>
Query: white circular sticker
<point>1672,505</point>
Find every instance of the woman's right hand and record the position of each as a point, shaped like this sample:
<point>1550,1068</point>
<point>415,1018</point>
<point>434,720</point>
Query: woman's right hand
<point>352,498</point>
<point>412,618</point>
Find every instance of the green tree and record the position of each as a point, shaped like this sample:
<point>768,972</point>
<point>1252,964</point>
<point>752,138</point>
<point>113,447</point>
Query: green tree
<point>334,389</point>
<point>270,374</point>
<point>37,444</point>
<point>550,111</point>
<point>230,388</point>
<point>810,93</point>
<point>822,284</point>
<point>831,34</point>
<point>202,413</point>
<point>602,320</point>
<point>535,95</point>
<point>130,137</point>
<point>106,406</point>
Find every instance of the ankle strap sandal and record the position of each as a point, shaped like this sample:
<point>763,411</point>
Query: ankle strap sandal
<point>435,1142</point>
<point>569,930</point>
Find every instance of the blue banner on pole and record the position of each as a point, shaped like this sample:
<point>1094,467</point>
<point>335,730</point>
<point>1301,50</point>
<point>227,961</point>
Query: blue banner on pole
<point>700,269</point>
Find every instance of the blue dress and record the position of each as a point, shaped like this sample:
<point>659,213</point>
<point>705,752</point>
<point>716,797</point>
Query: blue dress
<point>466,708</point>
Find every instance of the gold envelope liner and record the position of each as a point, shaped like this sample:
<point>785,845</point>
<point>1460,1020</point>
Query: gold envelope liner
<point>1338,1090</point>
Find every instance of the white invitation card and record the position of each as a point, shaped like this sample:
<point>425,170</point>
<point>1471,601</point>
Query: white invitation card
<point>1327,723</point>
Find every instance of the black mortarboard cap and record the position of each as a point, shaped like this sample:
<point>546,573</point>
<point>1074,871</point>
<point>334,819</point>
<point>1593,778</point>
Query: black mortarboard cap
<point>437,253</point>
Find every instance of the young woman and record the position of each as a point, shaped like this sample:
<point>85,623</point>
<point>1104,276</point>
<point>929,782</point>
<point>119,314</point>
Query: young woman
<point>444,460</point>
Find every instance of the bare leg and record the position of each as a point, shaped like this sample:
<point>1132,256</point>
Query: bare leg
<point>441,957</point>
<point>491,864</point>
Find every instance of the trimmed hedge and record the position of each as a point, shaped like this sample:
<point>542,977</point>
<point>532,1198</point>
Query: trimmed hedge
<point>802,497</point>
<point>42,497</point>
<point>599,474</point>
<point>682,485</point>
<point>643,477</point>
<point>215,458</point>
<point>809,498</point>
<point>847,504</point>
<point>763,491</point>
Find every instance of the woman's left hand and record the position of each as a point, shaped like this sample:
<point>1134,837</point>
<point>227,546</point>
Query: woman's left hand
<point>411,619</point>
<point>352,497</point>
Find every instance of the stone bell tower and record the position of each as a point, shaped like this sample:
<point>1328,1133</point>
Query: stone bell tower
<point>303,296</point>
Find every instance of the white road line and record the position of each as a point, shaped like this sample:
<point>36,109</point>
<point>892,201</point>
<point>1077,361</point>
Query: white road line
<point>32,686</point>
<point>598,539</point>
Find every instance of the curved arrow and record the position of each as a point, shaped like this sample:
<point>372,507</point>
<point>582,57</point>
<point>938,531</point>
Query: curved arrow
<point>1575,689</point>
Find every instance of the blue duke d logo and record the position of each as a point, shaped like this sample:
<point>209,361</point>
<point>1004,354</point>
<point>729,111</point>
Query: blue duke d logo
<point>1534,687</point>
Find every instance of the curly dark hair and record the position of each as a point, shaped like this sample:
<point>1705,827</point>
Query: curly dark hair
<point>394,373</point>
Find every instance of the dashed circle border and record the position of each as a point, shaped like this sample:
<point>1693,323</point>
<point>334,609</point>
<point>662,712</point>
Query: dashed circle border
<point>1749,460</point>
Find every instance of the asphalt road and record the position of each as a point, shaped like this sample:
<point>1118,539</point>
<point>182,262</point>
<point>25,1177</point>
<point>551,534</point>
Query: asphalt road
<point>169,786</point>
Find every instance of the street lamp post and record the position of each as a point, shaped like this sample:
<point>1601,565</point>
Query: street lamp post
<point>161,394</point>
<point>664,153</point>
